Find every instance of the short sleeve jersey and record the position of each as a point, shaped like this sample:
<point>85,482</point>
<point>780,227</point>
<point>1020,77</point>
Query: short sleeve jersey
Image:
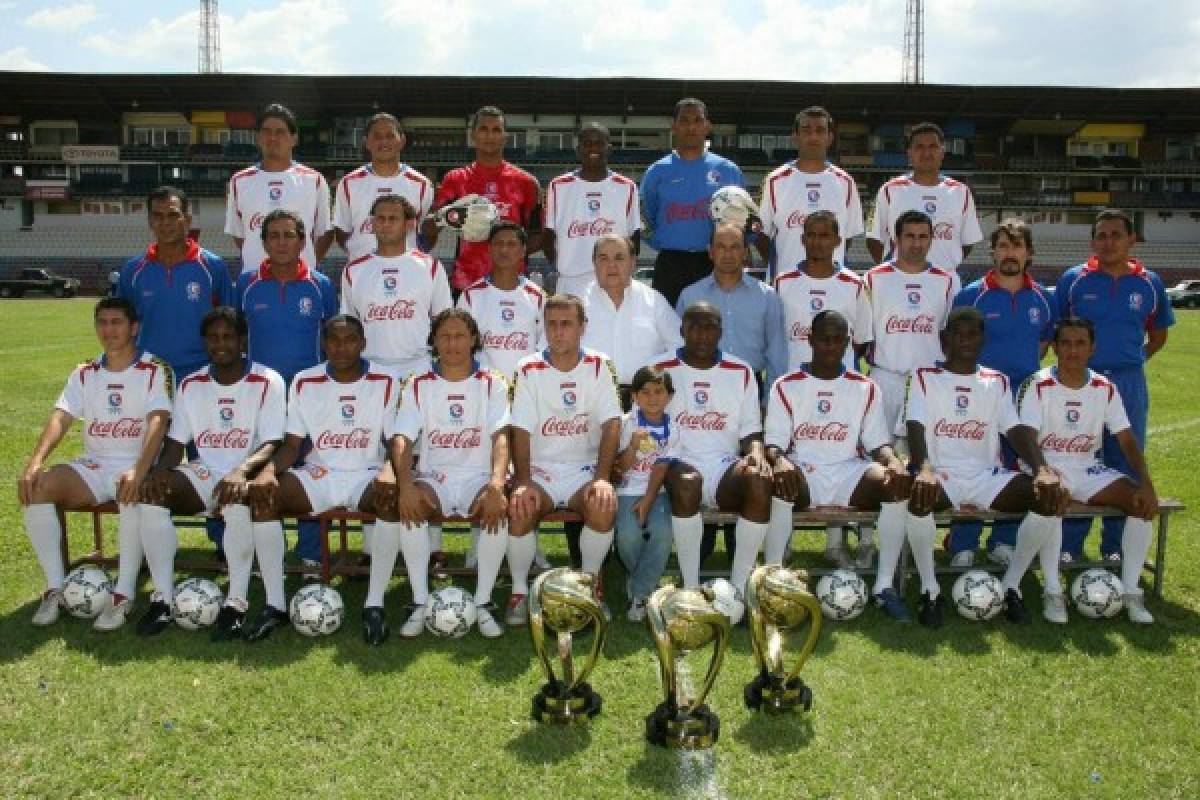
<point>579,212</point>
<point>395,297</point>
<point>803,297</point>
<point>453,421</point>
<point>113,406</point>
<point>563,411</point>
<point>510,321</point>
<point>714,408</point>
<point>908,312</point>
<point>815,421</point>
<point>345,421</point>
<point>789,196</point>
<point>949,204</point>
<point>963,415</point>
<point>228,423</point>
<point>356,193</point>
<point>1070,423</point>
<point>254,193</point>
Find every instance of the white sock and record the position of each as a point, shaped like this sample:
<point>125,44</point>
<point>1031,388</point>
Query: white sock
<point>435,538</point>
<point>239,552</point>
<point>748,541</point>
<point>1135,543</point>
<point>520,558</point>
<point>835,537</point>
<point>129,550</point>
<point>385,546</point>
<point>1048,557</point>
<point>269,546</point>
<point>1031,535</point>
<point>416,544</point>
<point>492,547</point>
<point>473,551</point>
<point>368,537</point>
<point>45,534</point>
<point>866,533</point>
<point>160,540</point>
<point>687,532</point>
<point>593,547</point>
<point>921,533</point>
<point>891,523</point>
<point>779,531</point>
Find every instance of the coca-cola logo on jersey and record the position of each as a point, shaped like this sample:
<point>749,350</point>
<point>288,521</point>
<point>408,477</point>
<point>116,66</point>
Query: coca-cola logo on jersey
<point>123,428</point>
<point>800,332</point>
<point>232,439</point>
<point>596,227</point>
<point>684,212</point>
<point>517,340</point>
<point>796,219</point>
<point>708,421</point>
<point>573,426</point>
<point>383,312</point>
<point>829,432</point>
<point>944,231</point>
<point>465,439</point>
<point>970,429</point>
<point>1082,443</point>
<point>356,439</point>
<point>922,323</point>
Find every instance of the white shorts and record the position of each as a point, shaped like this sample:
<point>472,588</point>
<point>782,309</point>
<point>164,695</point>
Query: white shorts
<point>100,477</point>
<point>562,481</point>
<point>204,481</point>
<point>712,469</point>
<point>1086,481</point>
<point>892,387</point>
<point>833,484</point>
<point>574,284</point>
<point>456,490</point>
<point>978,489</point>
<point>328,488</point>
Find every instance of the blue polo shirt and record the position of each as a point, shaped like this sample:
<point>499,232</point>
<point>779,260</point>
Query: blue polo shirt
<point>751,321</point>
<point>1014,325</point>
<point>171,301</point>
<point>675,196</point>
<point>1122,309</point>
<point>284,317</point>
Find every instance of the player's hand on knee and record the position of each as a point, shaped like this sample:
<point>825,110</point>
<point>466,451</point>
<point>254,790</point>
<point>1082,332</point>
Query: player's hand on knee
<point>524,502</point>
<point>602,497</point>
<point>756,464</point>
<point>28,485</point>
<point>410,504</point>
<point>129,487</point>
<point>924,493</point>
<point>261,494</point>
<point>787,479</point>
<point>232,488</point>
<point>1145,502</point>
<point>1049,492</point>
<point>490,508</point>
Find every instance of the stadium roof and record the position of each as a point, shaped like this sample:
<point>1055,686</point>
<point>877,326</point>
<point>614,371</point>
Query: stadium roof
<point>44,95</point>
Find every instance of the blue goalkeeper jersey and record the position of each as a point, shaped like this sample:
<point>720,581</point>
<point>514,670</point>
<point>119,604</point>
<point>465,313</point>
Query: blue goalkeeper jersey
<point>675,196</point>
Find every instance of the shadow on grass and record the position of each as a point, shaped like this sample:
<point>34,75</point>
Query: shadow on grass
<point>550,743</point>
<point>770,733</point>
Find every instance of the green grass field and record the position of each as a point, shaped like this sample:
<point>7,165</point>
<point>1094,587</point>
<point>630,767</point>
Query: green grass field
<point>1098,709</point>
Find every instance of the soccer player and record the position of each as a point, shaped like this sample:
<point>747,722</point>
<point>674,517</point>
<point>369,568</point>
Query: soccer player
<point>956,414</point>
<point>1071,407</point>
<point>459,414</point>
<point>277,182</point>
<point>676,191</point>
<point>819,419</point>
<point>1129,308</point>
<point>1018,319</point>
<point>807,185</point>
<point>233,411</point>
<point>342,406</point>
<point>585,204</point>
<point>385,175</point>
<point>721,462</point>
<point>566,424</point>
<point>124,401</point>
<point>947,202</point>
<point>514,191</point>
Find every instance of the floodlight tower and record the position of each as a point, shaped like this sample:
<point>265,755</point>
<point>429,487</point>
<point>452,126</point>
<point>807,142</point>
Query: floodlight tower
<point>914,42</point>
<point>210,37</point>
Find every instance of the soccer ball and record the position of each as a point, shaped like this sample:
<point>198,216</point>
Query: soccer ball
<point>842,593</point>
<point>727,599</point>
<point>86,592</point>
<point>732,205</point>
<point>1097,593</point>
<point>317,610</point>
<point>197,603</point>
<point>977,595</point>
<point>450,613</point>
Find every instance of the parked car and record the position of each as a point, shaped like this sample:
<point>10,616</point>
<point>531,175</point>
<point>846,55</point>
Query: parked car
<point>1185,294</point>
<point>38,280</point>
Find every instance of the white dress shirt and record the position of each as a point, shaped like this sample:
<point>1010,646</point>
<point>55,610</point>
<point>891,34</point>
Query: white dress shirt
<point>643,327</point>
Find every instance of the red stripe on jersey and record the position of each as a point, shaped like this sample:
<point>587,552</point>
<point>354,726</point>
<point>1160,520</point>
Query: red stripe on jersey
<point>202,378</point>
<point>731,365</point>
<point>153,371</point>
<point>311,379</point>
<point>266,384</point>
<point>387,392</point>
<point>783,398</point>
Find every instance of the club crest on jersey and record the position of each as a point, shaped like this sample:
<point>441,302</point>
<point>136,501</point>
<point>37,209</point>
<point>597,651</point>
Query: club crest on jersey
<point>1135,302</point>
<point>569,398</point>
<point>507,314</point>
<point>275,194</point>
<point>348,411</point>
<point>1072,416</point>
<point>491,190</point>
<point>701,397</point>
<point>1035,316</point>
<point>306,306</point>
<point>593,204</point>
<point>389,284</point>
<point>456,410</point>
<point>714,177</point>
<point>816,302</point>
<point>226,415</point>
<point>914,298</point>
<point>930,207</point>
<point>961,403</point>
<point>814,195</point>
<point>193,291</point>
<point>114,401</point>
<point>824,406</point>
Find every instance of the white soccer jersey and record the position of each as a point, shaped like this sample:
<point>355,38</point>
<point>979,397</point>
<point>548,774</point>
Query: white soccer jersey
<point>789,196</point>
<point>356,193</point>
<point>228,423</point>
<point>908,313</point>
<point>345,421</point>
<point>254,193</point>
<point>564,411</point>
<point>950,205</point>
<point>662,443</point>
<point>714,408</point>
<point>453,421</point>
<point>815,421</point>
<point>963,415</point>
<point>804,297</point>
<point>510,322</point>
<point>579,212</point>
<point>1070,422</point>
<point>113,406</point>
<point>395,297</point>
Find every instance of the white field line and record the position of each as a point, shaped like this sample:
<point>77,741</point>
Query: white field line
<point>1184,424</point>
<point>697,768</point>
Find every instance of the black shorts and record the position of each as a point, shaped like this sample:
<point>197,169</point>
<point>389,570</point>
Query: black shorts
<point>675,270</point>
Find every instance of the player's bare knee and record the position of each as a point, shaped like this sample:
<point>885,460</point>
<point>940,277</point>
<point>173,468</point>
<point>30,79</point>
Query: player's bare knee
<point>756,496</point>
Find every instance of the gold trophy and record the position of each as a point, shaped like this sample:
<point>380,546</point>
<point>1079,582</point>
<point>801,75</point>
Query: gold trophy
<point>778,600</point>
<point>682,620</point>
<point>564,601</point>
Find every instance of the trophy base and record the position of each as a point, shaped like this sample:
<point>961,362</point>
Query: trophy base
<point>769,693</point>
<point>554,703</point>
<point>668,727</point>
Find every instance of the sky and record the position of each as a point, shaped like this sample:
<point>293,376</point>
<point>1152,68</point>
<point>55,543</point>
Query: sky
<point>1016,42</point>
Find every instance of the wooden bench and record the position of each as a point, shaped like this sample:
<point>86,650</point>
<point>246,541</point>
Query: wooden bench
<point>343,561</point>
